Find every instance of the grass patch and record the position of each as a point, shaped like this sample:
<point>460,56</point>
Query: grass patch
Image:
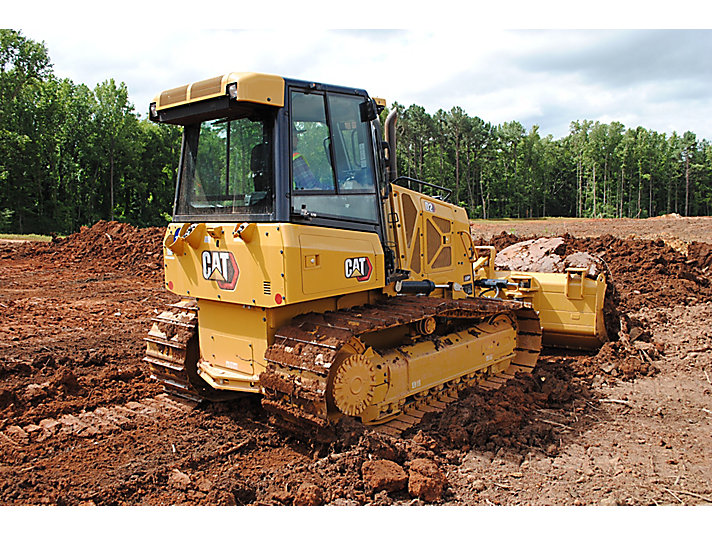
<point>26,237</point>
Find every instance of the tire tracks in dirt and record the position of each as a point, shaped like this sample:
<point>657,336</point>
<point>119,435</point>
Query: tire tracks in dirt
<point>101,421</point>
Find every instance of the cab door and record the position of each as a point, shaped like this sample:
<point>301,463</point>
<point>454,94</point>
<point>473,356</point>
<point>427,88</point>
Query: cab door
<point>334,197</point>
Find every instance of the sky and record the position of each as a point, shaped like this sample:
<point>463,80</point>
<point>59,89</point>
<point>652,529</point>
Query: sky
<point>544,63</point>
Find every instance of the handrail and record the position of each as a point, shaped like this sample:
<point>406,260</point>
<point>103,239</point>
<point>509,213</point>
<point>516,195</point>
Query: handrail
<point>421,182</point>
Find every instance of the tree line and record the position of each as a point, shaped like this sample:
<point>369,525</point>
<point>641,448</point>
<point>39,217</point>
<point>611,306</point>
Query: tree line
<point>597,170</point>
<point>71,155</point>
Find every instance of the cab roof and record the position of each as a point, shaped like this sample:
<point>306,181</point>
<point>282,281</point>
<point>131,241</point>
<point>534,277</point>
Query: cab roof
<point>250,87</point>
<point>209,98</point>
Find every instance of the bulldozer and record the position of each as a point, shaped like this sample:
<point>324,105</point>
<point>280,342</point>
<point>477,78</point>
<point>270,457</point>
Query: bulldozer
<point>312,274</point>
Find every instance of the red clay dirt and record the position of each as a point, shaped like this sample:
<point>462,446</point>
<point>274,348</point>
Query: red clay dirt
<point>81,423</point>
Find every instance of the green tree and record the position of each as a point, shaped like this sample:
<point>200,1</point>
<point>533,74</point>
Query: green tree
<point>116,127</point>
<point>23,63</point>
<point>458,125</point>
<point>24,66</point>
<point>689,144</point>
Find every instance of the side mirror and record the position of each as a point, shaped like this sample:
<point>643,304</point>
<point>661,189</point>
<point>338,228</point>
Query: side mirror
<point>368,111</point>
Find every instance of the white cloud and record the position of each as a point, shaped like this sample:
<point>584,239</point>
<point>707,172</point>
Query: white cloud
<point>450,58</point>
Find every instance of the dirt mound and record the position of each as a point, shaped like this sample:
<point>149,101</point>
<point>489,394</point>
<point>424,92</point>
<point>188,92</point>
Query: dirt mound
<point>650,273</point>
<point>109,245</point>
<point>501,241</point>
<point>511,416</point>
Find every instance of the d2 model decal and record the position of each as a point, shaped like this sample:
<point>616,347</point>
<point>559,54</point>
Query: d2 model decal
<point>358,268</point>
<point>220,267</point>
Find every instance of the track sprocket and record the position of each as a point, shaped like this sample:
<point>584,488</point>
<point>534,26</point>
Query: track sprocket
<point>354,384</point>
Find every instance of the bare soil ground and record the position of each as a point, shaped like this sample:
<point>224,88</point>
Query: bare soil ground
<point>81,423</point>
<point>672,228</point>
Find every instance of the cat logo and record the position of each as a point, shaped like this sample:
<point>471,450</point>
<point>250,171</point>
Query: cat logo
<point>358,268</point>
<point>220,267</point>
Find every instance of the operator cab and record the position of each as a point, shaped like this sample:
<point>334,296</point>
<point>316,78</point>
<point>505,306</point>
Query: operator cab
<point>284,151</point>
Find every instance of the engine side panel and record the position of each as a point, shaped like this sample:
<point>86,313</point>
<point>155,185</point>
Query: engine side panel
<point>270,265</point>
<point>430,237</point>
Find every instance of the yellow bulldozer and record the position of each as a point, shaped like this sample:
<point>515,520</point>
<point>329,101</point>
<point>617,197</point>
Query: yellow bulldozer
<point>314,275</point>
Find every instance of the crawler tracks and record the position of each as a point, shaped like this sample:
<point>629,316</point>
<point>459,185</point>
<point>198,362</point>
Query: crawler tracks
<point>172,354</point>
<point>324,365</point>
<point>171,347</point>
<point>300,383</point>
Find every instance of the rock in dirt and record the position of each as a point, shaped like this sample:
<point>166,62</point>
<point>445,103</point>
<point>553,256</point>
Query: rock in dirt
<point>383,475</point>
<point>280,496</point>
<point>344,502</point>
<point>34,392</point>
<point>204,485</point>
<point>309,495</point>
<point>610,500</point>
<point>546,255</point>
<point>50,425</point>
<point>66,381</point>
<point>426,480</point>
<point>32,429</point>
<point>584,260</point>
<point>542,255</point>
<point>478,485</point>
<point>17,434</point>
<point>179,480</point>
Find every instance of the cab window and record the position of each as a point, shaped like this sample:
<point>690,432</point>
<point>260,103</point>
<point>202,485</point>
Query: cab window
<point>227,167</point>
<point>332,160</point>
<point>354,167</point>
<point>311,162</point>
